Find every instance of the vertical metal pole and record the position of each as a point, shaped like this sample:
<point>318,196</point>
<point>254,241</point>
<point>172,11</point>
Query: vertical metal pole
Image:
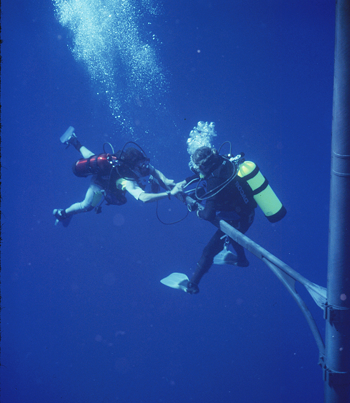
<point>337,311</point>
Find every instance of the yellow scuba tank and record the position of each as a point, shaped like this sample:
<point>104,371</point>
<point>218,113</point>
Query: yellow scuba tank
<point>262,192</point>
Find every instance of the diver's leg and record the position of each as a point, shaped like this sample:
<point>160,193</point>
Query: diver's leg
<point>73,140</point>
<point>92,198</point>
<point>242,225</point>
<point>242,260</point>
<point>85,152</point>
<point>213,247</point>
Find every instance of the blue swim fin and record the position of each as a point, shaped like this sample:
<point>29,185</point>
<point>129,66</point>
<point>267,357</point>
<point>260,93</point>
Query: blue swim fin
<point>67,135</point>
<point>176,280</point>
<point>225,257</point>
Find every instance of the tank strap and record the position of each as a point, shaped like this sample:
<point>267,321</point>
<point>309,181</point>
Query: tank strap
<point>252,174</point>
<point>261,188</point>
<point>94,162</point>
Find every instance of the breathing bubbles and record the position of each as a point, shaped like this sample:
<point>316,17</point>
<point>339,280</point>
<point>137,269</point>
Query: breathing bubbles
<point>107,38</point>
<point>201,135</point>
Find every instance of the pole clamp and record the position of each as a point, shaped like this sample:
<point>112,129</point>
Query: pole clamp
<point>335,378</point>
<point>335,313</point>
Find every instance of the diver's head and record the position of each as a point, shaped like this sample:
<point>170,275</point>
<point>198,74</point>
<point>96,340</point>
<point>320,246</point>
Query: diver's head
<point>143,168</point>
<point>205,160</point>
<point>133,162</point>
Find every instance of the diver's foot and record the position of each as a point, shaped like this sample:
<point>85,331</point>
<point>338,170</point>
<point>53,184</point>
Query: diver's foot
<point>242,262</point>
<point>73,140</point>
<point>234,261</point>
<point>62,217</point>
<point>227,257</point>
<point>70,138</point>
<point>192,288</point>
<point>60,214</point>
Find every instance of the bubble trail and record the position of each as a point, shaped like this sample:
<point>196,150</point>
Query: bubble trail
<point>109,39</point>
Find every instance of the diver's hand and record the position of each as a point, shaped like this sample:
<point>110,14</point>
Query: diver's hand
<point>182,184</point>
<point>176,189</point>
<point>169,183</point>
<point>192,206</point>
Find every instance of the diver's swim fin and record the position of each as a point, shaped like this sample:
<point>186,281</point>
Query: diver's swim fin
<point>225,257</point>
<point>67,135</point>
<point>176,280</point>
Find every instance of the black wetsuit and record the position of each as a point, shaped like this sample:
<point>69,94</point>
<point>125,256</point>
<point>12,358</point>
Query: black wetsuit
<point>236,205</point>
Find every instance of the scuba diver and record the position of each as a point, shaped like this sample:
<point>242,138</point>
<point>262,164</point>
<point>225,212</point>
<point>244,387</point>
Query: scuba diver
<point>234,188</point>
<point>113,175</point>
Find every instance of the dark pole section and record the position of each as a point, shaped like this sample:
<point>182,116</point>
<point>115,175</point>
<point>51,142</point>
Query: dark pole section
<point>337,310</point>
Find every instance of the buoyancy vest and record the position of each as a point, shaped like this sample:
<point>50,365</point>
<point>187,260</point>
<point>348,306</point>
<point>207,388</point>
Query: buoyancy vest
<point>228,191</point>
<point>102,165</point>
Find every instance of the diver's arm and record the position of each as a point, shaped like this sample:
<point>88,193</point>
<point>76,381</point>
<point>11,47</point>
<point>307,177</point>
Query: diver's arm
<point>209,212</point>
<point>152,197</point>
<point>164,182</point>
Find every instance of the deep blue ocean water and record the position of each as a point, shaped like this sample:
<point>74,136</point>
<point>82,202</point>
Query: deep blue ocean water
<point>84,315</point>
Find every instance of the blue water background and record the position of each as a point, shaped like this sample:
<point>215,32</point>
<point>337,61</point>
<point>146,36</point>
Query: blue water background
<point>84,316</point>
